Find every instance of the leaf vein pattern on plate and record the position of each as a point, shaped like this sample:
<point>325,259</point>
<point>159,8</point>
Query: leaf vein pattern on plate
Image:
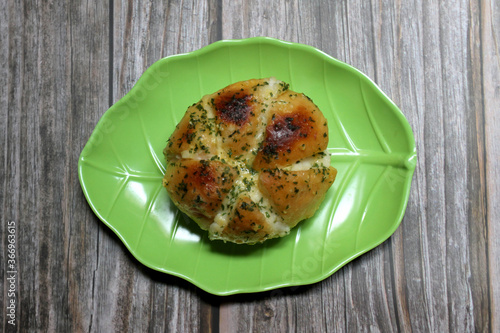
<point>378,133</point>
<point>261,268</point>
<point>118,158</point>
<point>229,264</point>
<point>103,168</point>
<point>124,182</point>
<point>197,263</point>
<point>338,195</point>
<point>155,158</point>
<point>172,114</point>
<point>175,226</point>
<point>347,139</point>
<point>371,194</point>
<point>122,173</point>
<point>151,203</point>
<point>294,255</point>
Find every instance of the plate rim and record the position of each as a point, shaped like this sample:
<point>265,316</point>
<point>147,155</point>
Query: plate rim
<point>410,164</point>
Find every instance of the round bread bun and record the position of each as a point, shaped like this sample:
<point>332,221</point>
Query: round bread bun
<point>249,162</point>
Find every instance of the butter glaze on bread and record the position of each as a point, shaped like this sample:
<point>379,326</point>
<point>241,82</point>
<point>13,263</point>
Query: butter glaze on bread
<point>248,162</point>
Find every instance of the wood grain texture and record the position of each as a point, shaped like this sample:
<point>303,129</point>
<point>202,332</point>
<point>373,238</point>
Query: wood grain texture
<point>54,78</point>
<point>139,299</point>
<point>62,64</point>
<point>429,276</point>
<point>490,38</point>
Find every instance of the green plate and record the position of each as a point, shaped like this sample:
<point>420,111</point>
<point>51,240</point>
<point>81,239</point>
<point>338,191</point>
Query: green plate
<point>121,167</point>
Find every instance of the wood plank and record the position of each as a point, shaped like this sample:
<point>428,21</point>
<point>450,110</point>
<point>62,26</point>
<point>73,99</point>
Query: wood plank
<point>88,28</point>
<point>490,35</point>
<point>445,288</point>
<point>388,22</point>
<point>478,240</point>
<point>47,126</point>
<point>269,311</point>
<point>427,276</point>
<point>368,282</point>
<point>340,302</point>
<point>424,245</point>
<point>63,64</point>
<point>10,76</point>
<point>127,295</point>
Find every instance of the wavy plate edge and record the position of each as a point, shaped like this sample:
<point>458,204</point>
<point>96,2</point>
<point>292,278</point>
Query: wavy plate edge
<point>410,163</point>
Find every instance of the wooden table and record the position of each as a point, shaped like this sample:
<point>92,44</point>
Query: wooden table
<point>62,64</point>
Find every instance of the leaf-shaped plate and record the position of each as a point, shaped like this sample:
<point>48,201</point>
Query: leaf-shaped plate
<point>373,148</point>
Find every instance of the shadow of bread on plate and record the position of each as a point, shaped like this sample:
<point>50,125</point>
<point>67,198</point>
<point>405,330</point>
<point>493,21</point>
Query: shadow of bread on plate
<point>249,162</point>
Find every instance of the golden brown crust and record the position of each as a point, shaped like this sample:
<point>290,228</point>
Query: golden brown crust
<point>198,187</point>
<point>194,133</point>
<point>296,130</point>
<point>296,195</point>
<point>248,224</point>
<point>236,111</point>
<point>229,161</point>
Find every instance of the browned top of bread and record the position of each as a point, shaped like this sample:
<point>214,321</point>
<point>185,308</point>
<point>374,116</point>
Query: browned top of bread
<point>248,162</point>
